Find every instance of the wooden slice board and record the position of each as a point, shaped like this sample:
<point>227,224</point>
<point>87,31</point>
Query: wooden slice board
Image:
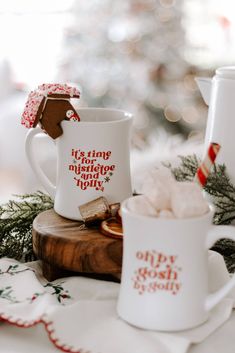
<point>63,248</point>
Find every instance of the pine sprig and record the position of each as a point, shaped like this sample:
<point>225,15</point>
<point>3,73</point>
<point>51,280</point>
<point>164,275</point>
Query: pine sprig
<point>218,186</point>
<point>16,219</point>
<point>187,169</point>
<point>221,192</point>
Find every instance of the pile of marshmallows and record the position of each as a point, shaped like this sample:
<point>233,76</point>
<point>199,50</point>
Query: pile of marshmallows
<point>165,197</point>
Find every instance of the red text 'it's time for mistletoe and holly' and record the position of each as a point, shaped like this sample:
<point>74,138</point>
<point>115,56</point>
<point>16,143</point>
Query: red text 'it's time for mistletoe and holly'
<point>91,169</point>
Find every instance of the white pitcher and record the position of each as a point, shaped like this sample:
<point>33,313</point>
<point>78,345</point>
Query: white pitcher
<point>219,94</point>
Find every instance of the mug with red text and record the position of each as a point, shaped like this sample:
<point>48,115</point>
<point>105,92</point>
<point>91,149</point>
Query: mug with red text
<point>93,159</point>
<point>164,284</point>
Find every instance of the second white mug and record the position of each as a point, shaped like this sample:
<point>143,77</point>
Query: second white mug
<point>164,284</point>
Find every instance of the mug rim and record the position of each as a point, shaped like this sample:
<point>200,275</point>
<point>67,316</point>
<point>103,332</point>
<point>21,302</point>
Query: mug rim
<point>124,209</point>
<point>126,116</point>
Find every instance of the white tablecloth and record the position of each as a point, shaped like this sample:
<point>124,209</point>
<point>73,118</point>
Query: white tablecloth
<point>35,340</point>
<point>87,319</point>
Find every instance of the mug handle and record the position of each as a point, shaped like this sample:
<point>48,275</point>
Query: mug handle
<point>215,233</point>
<point>46,183</point>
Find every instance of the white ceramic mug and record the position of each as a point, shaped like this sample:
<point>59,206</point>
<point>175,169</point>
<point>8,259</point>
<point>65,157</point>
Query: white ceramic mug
<point>92,160</point>
<point>164,284</point>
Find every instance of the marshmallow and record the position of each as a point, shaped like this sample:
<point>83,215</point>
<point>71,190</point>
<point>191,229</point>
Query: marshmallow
<point>141,205</point>
<point>157,188</point>
<point>187,200</point>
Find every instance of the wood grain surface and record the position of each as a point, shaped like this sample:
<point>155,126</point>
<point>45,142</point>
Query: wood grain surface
<point>63,247</point>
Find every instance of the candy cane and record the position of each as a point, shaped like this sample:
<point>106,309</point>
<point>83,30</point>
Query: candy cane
<point>204,169</point>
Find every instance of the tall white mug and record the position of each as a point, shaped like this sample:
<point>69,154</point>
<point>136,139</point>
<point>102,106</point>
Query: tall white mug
<point>164,284</point>
<point>93,159</point>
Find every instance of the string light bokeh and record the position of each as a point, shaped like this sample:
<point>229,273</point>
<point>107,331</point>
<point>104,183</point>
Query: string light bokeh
<point>139,55</point>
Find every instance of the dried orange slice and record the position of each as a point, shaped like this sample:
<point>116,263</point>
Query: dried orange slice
<point>112,228</point>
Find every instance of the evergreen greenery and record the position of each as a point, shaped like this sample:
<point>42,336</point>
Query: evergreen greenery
<point>16,219</point>
<point>218,187</point>
<point>221,192</point>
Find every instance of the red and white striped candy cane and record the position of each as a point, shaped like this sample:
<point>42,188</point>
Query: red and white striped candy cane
<point>204,169</point>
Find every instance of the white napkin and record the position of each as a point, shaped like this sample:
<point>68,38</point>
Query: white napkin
<point>79,314</point>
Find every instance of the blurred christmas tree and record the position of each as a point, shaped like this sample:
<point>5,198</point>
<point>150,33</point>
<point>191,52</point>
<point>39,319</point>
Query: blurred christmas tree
<point>129,54</point>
